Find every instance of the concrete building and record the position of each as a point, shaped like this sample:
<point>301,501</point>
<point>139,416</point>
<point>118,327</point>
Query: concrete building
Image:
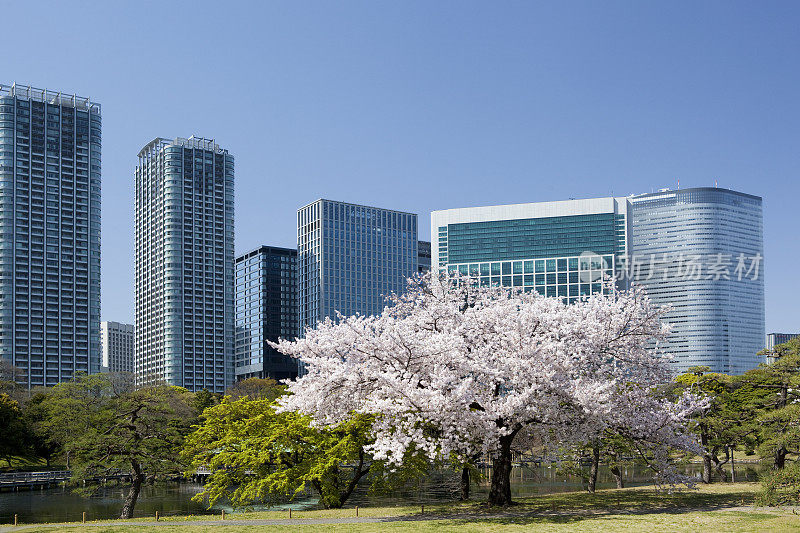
<point>266,310</point>
<point>116,340</point>
<point>49,233</point>
<point>184,264</point>
<point>774,339</point>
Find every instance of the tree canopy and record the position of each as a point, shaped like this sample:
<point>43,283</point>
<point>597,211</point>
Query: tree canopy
<point>453,368</point>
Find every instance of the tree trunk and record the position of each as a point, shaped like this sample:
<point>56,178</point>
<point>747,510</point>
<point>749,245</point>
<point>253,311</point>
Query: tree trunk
<point>464,484</point>
<point>594,468</point>
<point>137,478</point>
<point>780,458</point>
<point>706,456</point>
<point>733,468</point>
<point>615,471</point>
<point>706,468</point>
<point>718,465</point>
<point>500,491</point>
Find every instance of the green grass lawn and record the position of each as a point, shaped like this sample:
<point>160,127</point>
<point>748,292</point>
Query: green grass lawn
<point>713,509</point>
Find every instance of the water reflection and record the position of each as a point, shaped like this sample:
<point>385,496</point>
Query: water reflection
<point>60,504</point>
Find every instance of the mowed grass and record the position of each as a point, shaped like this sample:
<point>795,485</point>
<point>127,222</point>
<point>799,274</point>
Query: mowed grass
<point>712,509</point>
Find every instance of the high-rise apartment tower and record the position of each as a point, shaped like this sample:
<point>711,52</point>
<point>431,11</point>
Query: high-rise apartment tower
<point>184,264</point>
<point>49,234</point>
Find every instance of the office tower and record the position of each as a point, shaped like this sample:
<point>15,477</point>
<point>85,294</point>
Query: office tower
<point>117,342</point>
<point>49,233</point>
<point>699,251</point>
<point>184,264</point>
<point>423,257</point>
<point>774,339</point>
<point>266,310</point>
<point>561,248</point>
<point>350,257</point>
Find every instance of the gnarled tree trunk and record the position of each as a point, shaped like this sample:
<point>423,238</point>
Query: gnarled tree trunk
<point>137,478</point>
<point>500,490</point>
<point>594,468</point>
<point>464,484</point>
<point>617,473</point>
<point>780,458</point>
<point>706,456</point>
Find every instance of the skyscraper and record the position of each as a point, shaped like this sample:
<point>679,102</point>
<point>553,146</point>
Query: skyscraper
<point>116,340</point>
<point>699,251</point>
<point>266,310</point>
<point>184,264</point>
<point>423,257</point>
<point>350,257</point>
<point>561,248</point>
<point>49,233</point>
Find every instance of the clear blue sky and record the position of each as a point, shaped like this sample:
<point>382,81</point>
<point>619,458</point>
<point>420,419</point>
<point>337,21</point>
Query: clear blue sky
<point>431,105</point>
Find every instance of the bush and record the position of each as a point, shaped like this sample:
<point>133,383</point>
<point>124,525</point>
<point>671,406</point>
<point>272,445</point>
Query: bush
<point>781,487</point>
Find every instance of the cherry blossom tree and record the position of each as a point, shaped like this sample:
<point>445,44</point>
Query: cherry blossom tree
<point>454,368</point>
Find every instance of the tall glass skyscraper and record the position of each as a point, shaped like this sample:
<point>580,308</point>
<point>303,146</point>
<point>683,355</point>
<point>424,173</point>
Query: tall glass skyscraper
<point>184,264</point>
<point>696,251</point>
<point>49,233</point>
<point>561,248</point>
<point>266,310</point>
<point>699,251</point>
<point>350,257</point>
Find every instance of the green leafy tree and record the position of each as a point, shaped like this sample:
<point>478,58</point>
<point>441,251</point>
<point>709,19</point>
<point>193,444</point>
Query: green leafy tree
<point>727,422</point>
<point>258,455</point>
<point>114,429</point>
<point>12,434</point>
<point>256,389</point>
<point>773,390</point>
<point>203,399</point>
<point>40,438</point>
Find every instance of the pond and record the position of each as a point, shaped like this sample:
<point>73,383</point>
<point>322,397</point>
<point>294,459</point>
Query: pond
<point>60,504</point>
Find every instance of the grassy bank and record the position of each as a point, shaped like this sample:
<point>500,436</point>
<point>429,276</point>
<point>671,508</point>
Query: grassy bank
<point>721,507</point>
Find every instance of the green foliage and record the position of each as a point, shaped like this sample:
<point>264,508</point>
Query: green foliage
<point>256,389</point>
<point>39,438</point>
<point>781,487</point>
<point>106,427</point>
<point>12,435</point>
<point>258,455</point>
<point>203,399</point>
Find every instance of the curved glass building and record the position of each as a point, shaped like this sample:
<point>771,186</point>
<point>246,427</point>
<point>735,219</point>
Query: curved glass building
<point>184,264</point>
<point>49,234</point>
<point>700,251</point>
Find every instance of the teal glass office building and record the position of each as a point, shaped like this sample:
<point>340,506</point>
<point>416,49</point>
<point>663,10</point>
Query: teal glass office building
<point>350,257</point>
<point>184,264</point>
<point>49,234</point>
<point>266,310</point>
<point>562,249</point>
<point>699,252</point>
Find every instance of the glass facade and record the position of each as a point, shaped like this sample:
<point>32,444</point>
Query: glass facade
<point>266,310</point>
<point>49,233</point>
<point>350,257</point>
<point>560,249</point>
<point>717,315</point>
<point>184,264</point>
<point>423,256</point>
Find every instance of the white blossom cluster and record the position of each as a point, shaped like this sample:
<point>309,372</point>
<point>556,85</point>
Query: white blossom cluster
<point>453,368</point>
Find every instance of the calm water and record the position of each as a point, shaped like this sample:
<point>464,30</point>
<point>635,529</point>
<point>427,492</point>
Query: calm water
<point>60,504</point>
